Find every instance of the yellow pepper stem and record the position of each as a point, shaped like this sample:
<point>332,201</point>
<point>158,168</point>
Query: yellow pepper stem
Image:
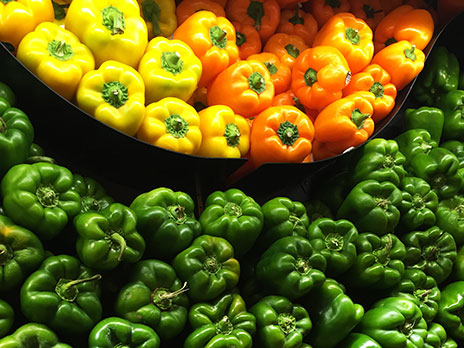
<point>113,20</point>
<point>176,126</point>
<point>60,50</point>
<point>232,135</point>
<point>115,93</point>
<point>171,62</point>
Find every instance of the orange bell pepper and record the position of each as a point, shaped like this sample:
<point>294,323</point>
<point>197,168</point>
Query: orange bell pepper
<point>281,75</point>
<point>352,36</point>
<point>447,9</point>
<point>323,10</point>
<point>319,76</point>
<point>402,61</point>
<point>286,47</point>
<point>220,2</point>
<point>245,86</point>
<point>346,122</point>
<point>248,39</point>
<point>188,7</point>
<point>289,98</point>
<point>290,4</point>
<point>370,11</point>
<point>425,5</point>
<point>297,22</point>
<point>390,5</point>
<point>376,80</point>
<point>212,39</point>
<point>322,151</point>
<point>264,15</point>
<point>198,99</point>
<point>404,23</point>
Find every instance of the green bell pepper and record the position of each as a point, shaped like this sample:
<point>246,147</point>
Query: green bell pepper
<point>39,197</point>
<point>208,266</point>
<point>32,335</point>
<point>93,195</point>
<point>395,322</point>
<point>380,160</point>
<point>234,216</point>
<point>418,206</point>
<point>6,318</point>
<point>291,267</point>
<point>426,117</point>
<point>280,323</point>
<point>335,241</point>
<point>440,75</point>
<point>456,147</point>
<point>117,332</point>
<point>316,209</point>
<point>452,104</point>
<point>357,340</point>
<point>450,310</point>
<point>372,206</point>
<point>438,338</point>
<point>379,262</point>
<point>413,142</point>
<point>420,288</point>
<point>37,154</point>
<point>21,252</point>
<point>458,267</point>
<point>154,297</point>
<point>16,136</point>
<point>7,93</point>
<point>333,189</point>
<point>224,323</point>
<point>450,217</point>
<point>432,251</point>
<point>333,313</point>
<point>63,294</point>
<point>167,222</point>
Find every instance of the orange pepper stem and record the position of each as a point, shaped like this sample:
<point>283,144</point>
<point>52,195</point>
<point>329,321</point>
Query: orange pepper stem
<point>358,118</point>
<point>115,93</point>
<point>353,36</point>
<point>60,50</point>
<point>151,11</point>
<point>171,62</point>
<point>377,89</point>
<point>218,36</point>
<point>296,19</point>
<point>288,133</point>
<point>256,82</point>
<point>241,38</point>
<point>310,77</point>
<point>232,135</point>
<point>271,67</point>
<point>113,20</point>
<point>410,54</point>
<point>334,3</point>
<point>292,50</point>
<point>176,126</point>
<point>256,12</point>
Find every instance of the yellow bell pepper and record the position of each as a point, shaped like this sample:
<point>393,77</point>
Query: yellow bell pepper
<point>19,17</point>
<point>160,17</point>
<point>115,95</point>
<point>56,56</point>
<point>169,69</point>
<point>172,124</point>
<point>225,134</point>
<point>112,29</point>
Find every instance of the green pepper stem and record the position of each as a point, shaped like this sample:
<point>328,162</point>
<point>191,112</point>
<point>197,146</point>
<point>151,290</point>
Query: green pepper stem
<point>310,77</point>
<point>390,41</point>
<point>377,89</point>
<point>256,82</point>
<point>121,242</point>
<point>176,126</point>
<point>292,50</point>
<point>358,118</point>
<point>176,293</point>
<point>60,50</point>
<point>80,281</point>
<point>38,159</point>
<point>286,322</point>
<point>422,294</point>
<point>240,38</point>
<point>177,213</point>
<point>382,254</point>
<point>232,135</point>
<point>410,53</point>
<point>171,62</point>
<point>256,12</point>
<point>218,36</point>
<point>296,18</point>
<point>288,133</point>
<point>152,12</point>
<point>353,36</point>
<point>162,297</point>
<point>3,126</point>
<point>115,93</point>
<point>66,289</point>
<point>233,209</point>
<point>113,20</point>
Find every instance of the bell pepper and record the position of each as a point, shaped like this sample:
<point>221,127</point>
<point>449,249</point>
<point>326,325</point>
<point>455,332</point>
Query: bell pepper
<point>376,80</point>
<point>390,5</point>
<point>16,136</point>
<point>7,93</point>
<point>208,266</point>
<point>187,8</point>
<point>160,17</point>
<point>19,17</point>
<point>450,217</point>
<point>64,295</point>
<point>281,75</point>
<point>319,76</point>
<point>245,86</point>
<point>437,337</point>
<point>6,318</point>
<point>280,323</point>
<point>404,23</point>
<point>34,334</point>
<point>450,308</point>
<point>115,95</point>
<point>40,197</point>
<point>166,220</point>
<point>224,322</point>
<point>199,99</point>
<point>289,98</point>
<point>93,196</point>
<point>456,147</point>
<point>233,216</point>
<point>395,322</point>
<point>414,142</point>
<point>248,40</point>
<point>113,331</point>
<point>333,313</point>
<point>286,46</point>
<point>316,209</point>
<point>402,60</point>
<point>112,29</point>
<point>351,36</point>
<point>172,124</point>
<point>323,10</point>
<point>334,240</point>
<point>440,75</point>
<point>458,267</point>
<point>300,23</point>
<point>452,104</point>
<point>169,68</point>
<point>418,205</point>
<point>358,340</point>
<point>291,267</point>
<point>290,4</point>
<point>212,39</point>
<point>56,56</point>
<point>379,262</point>
<point>370,11</point>
<point>425,117</point>
<point>155,297</point>
<point>440,169</point>
<point>264,15</point>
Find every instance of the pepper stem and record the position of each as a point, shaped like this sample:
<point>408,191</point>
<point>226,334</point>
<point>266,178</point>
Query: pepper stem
<point>292,50</point>
<point>176,126</point>
<point>163,297</point>
<point>390,41</point>
<point>232,135</point>
<point>177,213</point>
<point>288,133</point>
<point>232,209</point>
<point>334,242</point>
<point>171,62</point>
<point>3,126</point>
<point>113,20</point>
<point>115,94</point>
<point>431,253</point>
<point>240,38</point>
<point>116,237</point>
<point>47,196</point>
<point>296,19</point>
<point>370,11</point>
<point>211,265</point>
<point>218,36</point>
<point>382,255</point>
<point>271,68</point>
<point>66,289</point>
<point>286,322</point>
<point>256,12</point>
<point>358,118</point>
<point>377,89</point>
<point>353,36</point>
<point>256,82</point>
<point>422,294</point>
<point>152,12</point>
<point>38,159</point>
<point>310,77</point>
<point>60,50</point>
<point>410,53</point>
<point>302,266</point>
<point>224,326</point>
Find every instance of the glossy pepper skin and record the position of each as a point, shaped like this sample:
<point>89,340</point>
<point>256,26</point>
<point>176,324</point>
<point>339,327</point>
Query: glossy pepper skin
<point>208,266</point>
<point>281,75</point>
<point>187,8</point>
<point>16,136</point>
<point>93,196</point>
<point>113,331</point>
<point>358,340</point>
<point>160,17</point>
<point>6,318</point>
<point>21,253</point>
<point>39,197</point>
<point>34,334</point>
<point>166,220</point>
<point>248,39</point>
<point>280,323</point>
<point>450,213</point>
<point>287,47</point>
<point>300,23</point>
<point>425,117</point>
<point>414,142</point>
<point>155,297</point>
<point>221,323</point>
<point>456,147</point>
<point>452,104</point>
<point>64,295</point>
<point>234,216</point>
<point>437,337</point>
<point>449,309</point>
<point>109,237</point>
<point>7,93</point>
